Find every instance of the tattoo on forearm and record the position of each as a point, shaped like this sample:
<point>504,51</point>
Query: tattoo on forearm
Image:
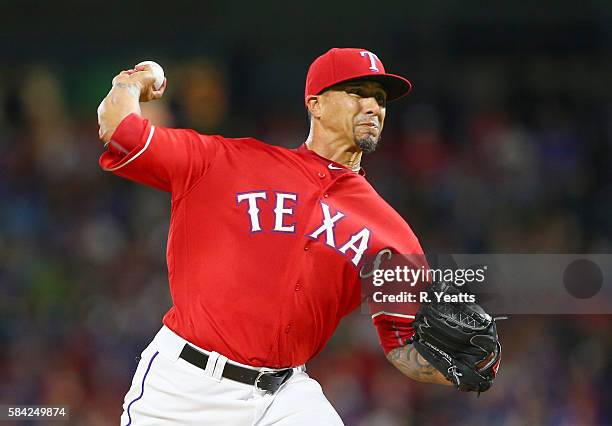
<point>132,88</point>
<point>408,361</point>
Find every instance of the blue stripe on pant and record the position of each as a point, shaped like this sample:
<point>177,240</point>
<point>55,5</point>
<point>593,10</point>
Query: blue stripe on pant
<point>141,388</point>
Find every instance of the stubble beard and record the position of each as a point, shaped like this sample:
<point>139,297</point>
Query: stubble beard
<point>367,144</point>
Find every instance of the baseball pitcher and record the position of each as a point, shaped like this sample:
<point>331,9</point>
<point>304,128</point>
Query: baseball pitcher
<point>264,252</point>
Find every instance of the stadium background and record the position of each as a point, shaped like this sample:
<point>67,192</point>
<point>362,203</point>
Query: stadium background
<point>505,145</point>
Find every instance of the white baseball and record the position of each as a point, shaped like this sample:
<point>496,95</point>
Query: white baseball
<point>158,72</point>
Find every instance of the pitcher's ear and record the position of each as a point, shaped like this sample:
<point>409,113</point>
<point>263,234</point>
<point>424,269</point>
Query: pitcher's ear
<point>314,106</point>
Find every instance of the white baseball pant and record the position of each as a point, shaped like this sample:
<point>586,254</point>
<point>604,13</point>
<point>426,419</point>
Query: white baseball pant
<point>167,390</point>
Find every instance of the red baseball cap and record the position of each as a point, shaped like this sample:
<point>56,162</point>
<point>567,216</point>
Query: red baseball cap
<point>341,65</point>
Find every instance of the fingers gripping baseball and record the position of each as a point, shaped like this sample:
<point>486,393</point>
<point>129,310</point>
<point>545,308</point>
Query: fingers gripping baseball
<point>145,82</point>
<point>146,79</point>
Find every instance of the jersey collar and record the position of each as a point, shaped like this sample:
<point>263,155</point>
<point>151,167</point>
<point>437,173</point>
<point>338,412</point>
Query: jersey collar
<point>303,149</point>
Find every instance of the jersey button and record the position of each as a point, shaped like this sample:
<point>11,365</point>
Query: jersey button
<point>321,175</point>
<point>288,329</point>
<point>298,287</point>
<point>325,195</point>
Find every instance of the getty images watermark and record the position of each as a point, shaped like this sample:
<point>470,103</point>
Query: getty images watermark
<point>412,277</point>
<point>542,284</point>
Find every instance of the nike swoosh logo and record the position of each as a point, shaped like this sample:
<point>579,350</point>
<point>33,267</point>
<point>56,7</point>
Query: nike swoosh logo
<point>332,167</point>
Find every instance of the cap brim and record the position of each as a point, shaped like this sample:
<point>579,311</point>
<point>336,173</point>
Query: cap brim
<point>395,85</point>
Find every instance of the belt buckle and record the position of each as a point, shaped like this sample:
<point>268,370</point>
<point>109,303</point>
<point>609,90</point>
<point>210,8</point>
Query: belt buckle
<point>261,373</point>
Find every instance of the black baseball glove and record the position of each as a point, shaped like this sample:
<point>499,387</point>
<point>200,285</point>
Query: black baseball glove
<point>459,339</point>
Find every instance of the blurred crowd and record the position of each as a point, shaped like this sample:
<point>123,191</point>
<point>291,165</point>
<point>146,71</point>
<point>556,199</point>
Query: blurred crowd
<point>486,155</point>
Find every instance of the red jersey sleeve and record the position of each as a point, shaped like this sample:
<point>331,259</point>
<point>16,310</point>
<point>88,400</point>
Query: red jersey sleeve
<point>393,330</point>
<point>393,320</point>
<point>172,160</point>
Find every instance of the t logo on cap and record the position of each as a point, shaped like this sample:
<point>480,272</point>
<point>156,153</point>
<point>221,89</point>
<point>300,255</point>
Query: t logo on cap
<point>339,65</point>
<point>373,59</point>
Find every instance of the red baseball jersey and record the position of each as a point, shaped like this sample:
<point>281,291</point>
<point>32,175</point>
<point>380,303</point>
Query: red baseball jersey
<point>265,243</point>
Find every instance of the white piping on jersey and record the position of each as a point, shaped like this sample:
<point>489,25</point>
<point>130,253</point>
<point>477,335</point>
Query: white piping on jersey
<point>137,154</point>
<point>392,314</point>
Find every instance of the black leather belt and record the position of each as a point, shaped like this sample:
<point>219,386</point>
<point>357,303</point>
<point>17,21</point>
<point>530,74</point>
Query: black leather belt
<point>268,381</point>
